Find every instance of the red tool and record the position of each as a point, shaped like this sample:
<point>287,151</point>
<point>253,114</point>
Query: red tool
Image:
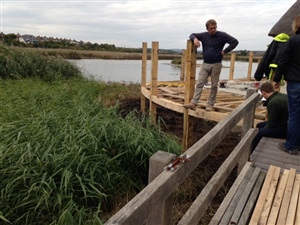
<point>176,162</point>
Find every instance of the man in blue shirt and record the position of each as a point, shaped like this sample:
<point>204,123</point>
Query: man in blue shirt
<point>213,42</point>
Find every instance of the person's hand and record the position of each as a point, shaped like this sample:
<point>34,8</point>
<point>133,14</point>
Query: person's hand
<point>223,53</point>
<point>276,85</point>
<point>197,42</point>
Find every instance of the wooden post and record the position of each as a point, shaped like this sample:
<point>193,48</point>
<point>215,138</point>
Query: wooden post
<point>144,75</point>
<point>183,62</point>
<point>232,61</point>
<point>162,214</point>
<point>191,55</point>
<point>250,66</point>
<point>153,82</point>
<point>248,122</point>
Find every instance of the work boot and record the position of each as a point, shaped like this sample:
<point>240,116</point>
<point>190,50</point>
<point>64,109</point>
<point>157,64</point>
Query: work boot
<point>209,108</point>
<point>283,148</point>
<point>190,106</point>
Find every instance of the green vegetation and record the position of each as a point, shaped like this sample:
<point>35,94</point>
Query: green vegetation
<point>67,156</point>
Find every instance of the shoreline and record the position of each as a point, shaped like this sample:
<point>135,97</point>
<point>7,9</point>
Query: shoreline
<point>88,54</point>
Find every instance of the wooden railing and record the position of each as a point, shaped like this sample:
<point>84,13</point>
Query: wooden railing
<point>157,194</point>
<point>153,205</point>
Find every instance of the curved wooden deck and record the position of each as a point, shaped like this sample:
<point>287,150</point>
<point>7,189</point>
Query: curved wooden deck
<point>171,95</point>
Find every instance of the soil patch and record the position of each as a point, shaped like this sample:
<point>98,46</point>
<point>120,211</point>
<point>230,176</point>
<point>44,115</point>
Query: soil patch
<point>192,186</point>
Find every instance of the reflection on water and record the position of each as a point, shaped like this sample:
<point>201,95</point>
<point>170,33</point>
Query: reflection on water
<point>130,70</point>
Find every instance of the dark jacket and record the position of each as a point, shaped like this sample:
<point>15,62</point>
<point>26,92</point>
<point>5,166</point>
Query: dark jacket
<point>212,45</point>
<point>289,61</point>
<point>277,106</point>
<point>270,59</point>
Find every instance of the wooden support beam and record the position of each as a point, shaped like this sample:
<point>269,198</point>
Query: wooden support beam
<point>251,54</point>
<point>183,67</point>
<point>189,92</point>
<point>153,82</point>
<point>232,62</point>
<point>144,75</point>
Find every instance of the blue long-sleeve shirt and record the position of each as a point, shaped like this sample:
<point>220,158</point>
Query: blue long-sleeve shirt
<point>212,45</point>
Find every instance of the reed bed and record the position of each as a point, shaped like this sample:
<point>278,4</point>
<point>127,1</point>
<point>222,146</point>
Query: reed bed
<point>65,157</point>
<point>17,63</point>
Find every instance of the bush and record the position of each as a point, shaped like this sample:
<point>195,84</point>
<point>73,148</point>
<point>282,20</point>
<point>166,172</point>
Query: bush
<point>16,63</point>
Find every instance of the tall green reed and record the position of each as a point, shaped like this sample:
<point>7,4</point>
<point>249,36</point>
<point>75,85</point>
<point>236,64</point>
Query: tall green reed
<point>16,63</point>
<point>64,156</point>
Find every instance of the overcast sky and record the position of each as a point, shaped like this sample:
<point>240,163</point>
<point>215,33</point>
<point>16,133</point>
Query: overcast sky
<point>129,23</point>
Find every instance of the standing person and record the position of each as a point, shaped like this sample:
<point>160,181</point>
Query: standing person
<point>213,42</point>
<point>277,108</point>
<point>289,67</point>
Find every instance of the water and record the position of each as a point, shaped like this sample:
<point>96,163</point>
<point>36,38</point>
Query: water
<point>130,70</point>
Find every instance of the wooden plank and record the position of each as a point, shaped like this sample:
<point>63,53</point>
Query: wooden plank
<point>293,203</point>
<point>226,201</point>
<point>260,202</point>
<point>270,196</point>
<point>245,217</point>
<point>275,156</point>
<point>234,202</point>
<point>278,199</point>
<point>286,198</point>
<point>244,197</point>
<point>297,219</point>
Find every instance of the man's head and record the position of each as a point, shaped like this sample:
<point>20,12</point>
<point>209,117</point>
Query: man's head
<point>267,89</point>
<point>296,25</point>
<point>211,27</point>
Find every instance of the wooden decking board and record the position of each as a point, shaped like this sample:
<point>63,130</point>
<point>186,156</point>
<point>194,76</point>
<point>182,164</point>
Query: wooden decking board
<point>286,198</point>
<point>278,198</point>
<point>297,219</point>
<point>245,196</point>
<point>233,204</point>
<point>267,153</point>
<point>269,198</point>
<point>226,201</point>
<point>277,156</point>
<point>278,201</point>
<point>293,203</point>
<point>262,197</point>
<point>245,217</point>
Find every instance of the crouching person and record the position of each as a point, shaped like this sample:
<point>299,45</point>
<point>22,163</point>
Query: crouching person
<point>277,108</point>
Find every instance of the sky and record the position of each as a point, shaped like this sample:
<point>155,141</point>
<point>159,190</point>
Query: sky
<point>130,23</point>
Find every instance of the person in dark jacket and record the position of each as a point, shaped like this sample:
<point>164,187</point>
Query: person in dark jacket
<point>289,68</point>
<point>268,63</point>
<point>213,42</point>
<point>277,108</point>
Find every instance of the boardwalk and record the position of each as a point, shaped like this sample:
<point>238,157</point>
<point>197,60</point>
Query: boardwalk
<point>267,153</point>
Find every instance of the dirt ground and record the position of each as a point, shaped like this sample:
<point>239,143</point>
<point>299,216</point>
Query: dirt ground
<point>191,188</point>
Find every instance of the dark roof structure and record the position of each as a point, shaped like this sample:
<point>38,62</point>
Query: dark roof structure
<point>284,24</point>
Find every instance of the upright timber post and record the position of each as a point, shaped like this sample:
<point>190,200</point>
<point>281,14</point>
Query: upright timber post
<point>183,61</point>
<point>144,75</point>
<point>248,122</point>
<point>191,55</point>
<point>250,66</point>
<point>153,81</point>
<point>162,214</point>
<point>232,62</point>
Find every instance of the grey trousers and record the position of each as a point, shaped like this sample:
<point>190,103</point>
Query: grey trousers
<point>206,70</point>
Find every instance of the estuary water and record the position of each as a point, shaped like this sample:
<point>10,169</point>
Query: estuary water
<point>129,71</point>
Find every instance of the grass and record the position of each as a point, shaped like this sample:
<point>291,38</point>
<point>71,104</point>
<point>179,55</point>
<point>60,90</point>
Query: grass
<point>66,154</point>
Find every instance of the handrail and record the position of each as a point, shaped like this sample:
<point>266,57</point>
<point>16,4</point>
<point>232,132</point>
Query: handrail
<point>137,210</point>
